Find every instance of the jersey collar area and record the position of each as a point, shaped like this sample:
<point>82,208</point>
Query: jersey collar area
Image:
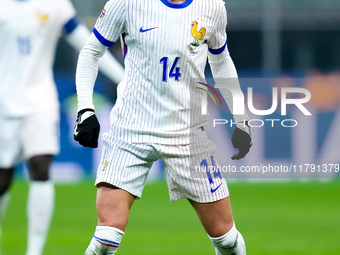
<point>177,6</point>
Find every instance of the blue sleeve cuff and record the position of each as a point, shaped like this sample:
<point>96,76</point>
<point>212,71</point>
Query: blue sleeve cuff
<point>70,25</point>
<point>220,50</point>
<point>105,42</point>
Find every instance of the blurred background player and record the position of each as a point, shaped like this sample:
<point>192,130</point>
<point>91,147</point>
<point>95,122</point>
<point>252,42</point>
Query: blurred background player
<point>158,113</point>
<point>29,107</point>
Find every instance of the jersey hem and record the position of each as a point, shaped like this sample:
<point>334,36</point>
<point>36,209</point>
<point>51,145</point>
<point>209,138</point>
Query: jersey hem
<point>192,135</point>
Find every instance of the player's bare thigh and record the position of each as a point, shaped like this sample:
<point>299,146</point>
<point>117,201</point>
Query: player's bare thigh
<point>216,217</point>
<point>113,206</point>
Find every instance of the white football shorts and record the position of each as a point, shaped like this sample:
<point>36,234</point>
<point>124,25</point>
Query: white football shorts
<point>25,137</point>
<point>189,169</point>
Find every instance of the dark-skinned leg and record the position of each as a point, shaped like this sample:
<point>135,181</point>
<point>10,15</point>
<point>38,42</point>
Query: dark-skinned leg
<point>6,177</point>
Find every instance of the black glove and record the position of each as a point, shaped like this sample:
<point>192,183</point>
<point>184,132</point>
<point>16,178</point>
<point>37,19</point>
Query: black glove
<point>242,141</point>
<point>86,130</point>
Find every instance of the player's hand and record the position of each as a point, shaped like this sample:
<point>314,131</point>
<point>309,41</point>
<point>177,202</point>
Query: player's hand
<point>86,130</point>
<point>241,140</point>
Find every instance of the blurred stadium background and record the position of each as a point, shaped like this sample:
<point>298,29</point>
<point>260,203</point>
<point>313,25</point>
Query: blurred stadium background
<point>285,43</point>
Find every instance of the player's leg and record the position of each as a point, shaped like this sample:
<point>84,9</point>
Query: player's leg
<point>10,144</point>
<point>121,177</point>
<point>216,218</point>
<point>191,172</point>
<point>6,177</point>
<point>40,142</point>
<point>40,203</point>
<point>113,207</point>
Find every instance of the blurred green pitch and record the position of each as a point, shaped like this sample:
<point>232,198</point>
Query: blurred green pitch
<point>274,218</point>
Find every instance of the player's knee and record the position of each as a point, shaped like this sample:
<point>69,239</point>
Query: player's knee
<point>39,167</point>
<point>106,240</point>
<point>230,243</point>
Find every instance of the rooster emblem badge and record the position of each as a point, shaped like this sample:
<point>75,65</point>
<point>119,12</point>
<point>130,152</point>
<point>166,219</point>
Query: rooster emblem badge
<point>198,35</point>
<point>42,17</point>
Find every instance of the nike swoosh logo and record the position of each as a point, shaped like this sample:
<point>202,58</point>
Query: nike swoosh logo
<point>146,30</point>
<point>214,190</point>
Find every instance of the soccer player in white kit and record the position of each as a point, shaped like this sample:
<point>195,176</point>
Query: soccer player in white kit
<point>29,107</point>
<point>156,115</point>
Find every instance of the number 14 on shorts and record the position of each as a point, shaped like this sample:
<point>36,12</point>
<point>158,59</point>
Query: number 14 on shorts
<point>213,173</point>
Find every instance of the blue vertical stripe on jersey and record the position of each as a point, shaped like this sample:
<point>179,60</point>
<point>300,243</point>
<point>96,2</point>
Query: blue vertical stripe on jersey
<point>218,51</point>
<point>105,42</point>
<point>177,6</point>
<point>70,25</point>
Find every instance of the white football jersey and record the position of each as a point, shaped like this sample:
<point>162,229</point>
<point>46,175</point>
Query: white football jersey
<point>165,46</point>
<point>29,31</point>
